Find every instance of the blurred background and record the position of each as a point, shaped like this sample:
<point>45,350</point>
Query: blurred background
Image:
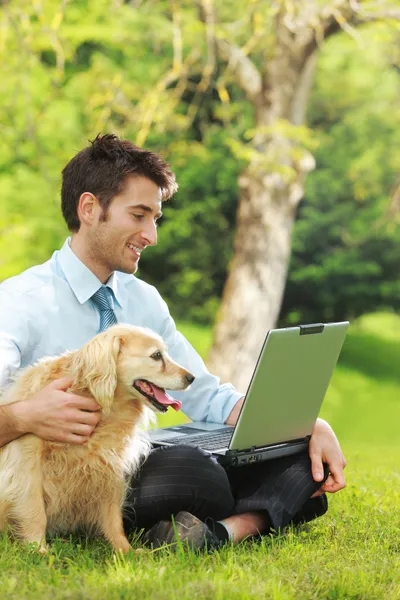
<point>282,122</point>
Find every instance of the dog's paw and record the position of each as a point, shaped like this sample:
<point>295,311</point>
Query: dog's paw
<point>122,546</point>
<point>39,547</point>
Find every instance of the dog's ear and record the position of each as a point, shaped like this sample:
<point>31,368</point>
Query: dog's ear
<point>95,369</point>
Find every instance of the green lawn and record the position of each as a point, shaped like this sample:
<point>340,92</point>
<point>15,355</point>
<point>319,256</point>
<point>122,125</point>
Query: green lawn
<point>353,552</point>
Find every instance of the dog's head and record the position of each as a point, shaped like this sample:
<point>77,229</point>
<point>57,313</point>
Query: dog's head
<point>132,361</point>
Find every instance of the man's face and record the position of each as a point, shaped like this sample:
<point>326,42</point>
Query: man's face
<point>116,240</point>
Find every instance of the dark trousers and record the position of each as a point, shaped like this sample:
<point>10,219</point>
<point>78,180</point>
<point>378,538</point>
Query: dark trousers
<point>179,478</point>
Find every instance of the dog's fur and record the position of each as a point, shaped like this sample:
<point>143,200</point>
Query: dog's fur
<point>54,487</point>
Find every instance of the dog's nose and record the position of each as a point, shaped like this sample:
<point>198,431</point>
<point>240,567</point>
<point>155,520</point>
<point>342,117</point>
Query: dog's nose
<point>190,378</point>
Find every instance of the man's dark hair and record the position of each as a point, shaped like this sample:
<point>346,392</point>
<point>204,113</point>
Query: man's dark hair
<point>102,169</point>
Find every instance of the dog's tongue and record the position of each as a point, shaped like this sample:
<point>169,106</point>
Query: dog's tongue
<point>163,398</point>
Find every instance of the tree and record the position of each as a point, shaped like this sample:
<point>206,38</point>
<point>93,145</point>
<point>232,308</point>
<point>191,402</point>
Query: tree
<point>275,71</point>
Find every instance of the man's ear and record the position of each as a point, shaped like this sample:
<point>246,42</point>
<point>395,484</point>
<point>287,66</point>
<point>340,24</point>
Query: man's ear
<point>95,368</point>
<point>87,207</point>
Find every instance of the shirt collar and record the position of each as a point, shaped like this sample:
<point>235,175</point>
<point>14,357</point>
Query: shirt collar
<point>80,278</point>
<point>114,284</point>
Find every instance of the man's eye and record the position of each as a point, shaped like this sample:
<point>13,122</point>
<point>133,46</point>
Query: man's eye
<point>138,216</point>
<point>156,356</point>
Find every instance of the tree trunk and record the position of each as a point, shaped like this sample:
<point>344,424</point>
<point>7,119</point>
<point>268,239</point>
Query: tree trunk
<point>267,207</point>
<point>257,275</point>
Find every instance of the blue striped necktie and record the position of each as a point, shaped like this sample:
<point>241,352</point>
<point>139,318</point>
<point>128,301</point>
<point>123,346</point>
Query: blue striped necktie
<point>103,302</point>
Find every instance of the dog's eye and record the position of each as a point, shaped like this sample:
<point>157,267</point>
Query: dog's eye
<point>156,356</point>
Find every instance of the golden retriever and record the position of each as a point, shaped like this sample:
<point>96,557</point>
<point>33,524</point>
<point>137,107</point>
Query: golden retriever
<point>53,487</point>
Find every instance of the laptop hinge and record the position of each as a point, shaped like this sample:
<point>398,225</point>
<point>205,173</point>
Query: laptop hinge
<point>252,449</point>
<point>313,328</point>
<point>259,448</point>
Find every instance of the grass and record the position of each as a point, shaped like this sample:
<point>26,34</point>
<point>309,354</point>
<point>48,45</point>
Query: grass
<point>353,552</point>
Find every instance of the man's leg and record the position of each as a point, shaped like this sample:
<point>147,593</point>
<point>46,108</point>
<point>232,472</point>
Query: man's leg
<point>174,479</point>
<point>273,494</point>
<point>182,478</point>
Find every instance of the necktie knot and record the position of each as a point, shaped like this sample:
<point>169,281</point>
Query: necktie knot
<point>102,300</point>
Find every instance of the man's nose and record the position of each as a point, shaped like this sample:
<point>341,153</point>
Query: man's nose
<point>150,234</point>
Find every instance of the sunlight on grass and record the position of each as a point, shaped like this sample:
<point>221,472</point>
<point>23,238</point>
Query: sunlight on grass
<point>382,325</point>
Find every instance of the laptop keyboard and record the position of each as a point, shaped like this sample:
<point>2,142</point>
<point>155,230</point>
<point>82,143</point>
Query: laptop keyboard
<point>207,441</point>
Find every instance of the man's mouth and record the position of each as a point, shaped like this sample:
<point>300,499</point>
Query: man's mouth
<point>156,395</point>
<point>135,249</point>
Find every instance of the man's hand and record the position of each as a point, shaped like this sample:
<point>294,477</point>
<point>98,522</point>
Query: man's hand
<point>56,415</point>
<point>324,447</point>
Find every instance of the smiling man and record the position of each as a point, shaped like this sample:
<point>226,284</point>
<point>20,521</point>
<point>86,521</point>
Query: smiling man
<point>112,194</point>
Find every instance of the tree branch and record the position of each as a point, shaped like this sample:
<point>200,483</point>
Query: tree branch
<point>300,98</point>
<point>387,15</point>
<point>345,17</point>
<point>244,70</point>
<point>209,68</point>
<point>177,37</point>
<point>246,74</point>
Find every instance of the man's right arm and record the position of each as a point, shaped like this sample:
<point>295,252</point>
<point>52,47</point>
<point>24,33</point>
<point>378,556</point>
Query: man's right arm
<point>207,399</point>
<point>53,414</point>
<point>9,426</point>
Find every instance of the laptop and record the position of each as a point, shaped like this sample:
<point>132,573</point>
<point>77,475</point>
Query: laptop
<point>282,402</point>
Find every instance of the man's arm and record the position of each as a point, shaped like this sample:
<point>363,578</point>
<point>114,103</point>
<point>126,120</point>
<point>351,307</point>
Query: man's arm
<point>207,399</point>
<point>9,427</point>
<point>324,447</point>
<point>234,415</point>
<point>53,414</point>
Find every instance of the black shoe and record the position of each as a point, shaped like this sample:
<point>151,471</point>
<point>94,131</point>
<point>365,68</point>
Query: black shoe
<point>187,530</point>
<point>157,535</point>
<point>313,508</point>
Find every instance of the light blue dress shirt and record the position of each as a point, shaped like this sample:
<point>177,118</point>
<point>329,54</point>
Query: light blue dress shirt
<point>47,310</point>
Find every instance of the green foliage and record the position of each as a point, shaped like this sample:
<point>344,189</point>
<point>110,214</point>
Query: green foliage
<point>346,245</point>
<point>73,69</point>
<point>188,265</point>
<point>68,71</point>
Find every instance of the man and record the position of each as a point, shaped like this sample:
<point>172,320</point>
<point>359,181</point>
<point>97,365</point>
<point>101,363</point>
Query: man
<point>112,194</point>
